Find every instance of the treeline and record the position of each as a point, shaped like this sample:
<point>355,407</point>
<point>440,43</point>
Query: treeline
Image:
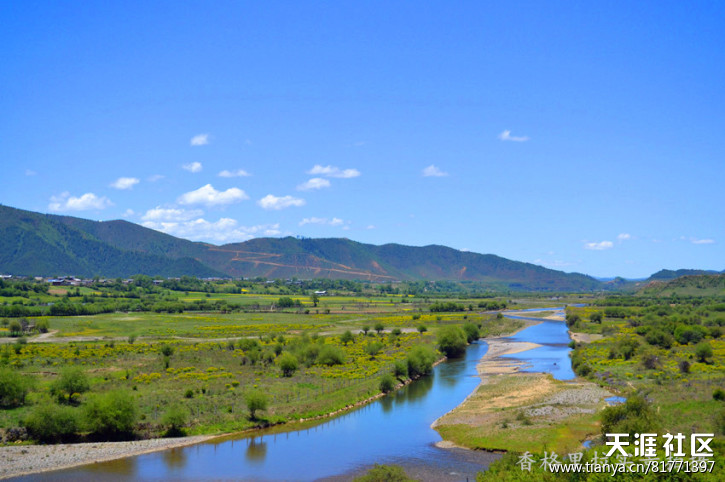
<point>449,306</point>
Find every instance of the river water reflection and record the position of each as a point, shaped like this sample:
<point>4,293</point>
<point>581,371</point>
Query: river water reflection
<point>395,429</point>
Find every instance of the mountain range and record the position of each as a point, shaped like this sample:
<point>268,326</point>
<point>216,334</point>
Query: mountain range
<point>50,245</point>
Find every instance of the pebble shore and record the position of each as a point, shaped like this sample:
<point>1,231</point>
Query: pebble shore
<point>16,460</point>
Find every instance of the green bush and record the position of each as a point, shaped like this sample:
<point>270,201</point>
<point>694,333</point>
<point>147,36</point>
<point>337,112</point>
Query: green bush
<point>14,388</point>
<point>174,419</point>
<point>718,394</point>
<point>420,361</point>
<point>387,383</point>
<point>373,348</point>
<point>331,355</point>
<point>347,337</point>
<point>703,351</point>
<point>401,369</point>
<point>471,331</point>
<point>112,415</point>
<point>288,364</point>
<point>72,380</point>
<point>385,473</point>
<point>452,341</point>
<point>422,328</point>
<point>167,350</point>
<point>49,422</point>
<point>256,401</point>
<point>379,327</point>
<point>633,416</point>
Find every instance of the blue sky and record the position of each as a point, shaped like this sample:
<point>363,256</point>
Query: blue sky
<point>581,136</point>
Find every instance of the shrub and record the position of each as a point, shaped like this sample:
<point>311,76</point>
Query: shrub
<point>331,355</point>
<point>385,473</point>
<point>596,317</point>
<point>660,338</point>
<point>420,361</point>
<point>387,383</point>
<point>422,328</point>
<point>256,401</point>
<point>379,327</point>
<point>347,338</point>
<point>471,331</point>
<point>650,360</point>
<point>189,393</point>
<point>14,388</point>
<point>401,369</point>
<point>167,350</point>
<point>112,415</point>
<point>72,380</point>
<point>174,419</point>
<point>452,341</point>
<point>288,364</point>
<point>396,332</point>
<point>131,339</point>
<point>703,351</point>
<point>48,422</point>
<point>718,394</point>
<point>684,366</point>
<point>42,326</point>
<point>373,348</point>
<point>633,416</point>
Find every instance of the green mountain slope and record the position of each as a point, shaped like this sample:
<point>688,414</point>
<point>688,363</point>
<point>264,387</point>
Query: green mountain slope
<point>47,245</point>
<point>688,285</point>
<point>42,244</point>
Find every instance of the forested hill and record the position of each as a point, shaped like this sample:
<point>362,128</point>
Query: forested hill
<point>49,245</point>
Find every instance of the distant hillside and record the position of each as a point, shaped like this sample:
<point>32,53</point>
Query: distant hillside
<point>42,244</point>
<point>668,274</point>
<point>47,245</point>
<point>692,285</point>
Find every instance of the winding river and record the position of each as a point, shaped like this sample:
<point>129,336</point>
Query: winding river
<point>392,430</point>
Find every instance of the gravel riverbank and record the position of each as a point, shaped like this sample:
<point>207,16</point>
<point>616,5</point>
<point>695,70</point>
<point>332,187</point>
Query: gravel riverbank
<point>18,460</point>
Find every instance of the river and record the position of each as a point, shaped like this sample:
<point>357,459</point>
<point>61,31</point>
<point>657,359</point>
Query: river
<point>392,430</point>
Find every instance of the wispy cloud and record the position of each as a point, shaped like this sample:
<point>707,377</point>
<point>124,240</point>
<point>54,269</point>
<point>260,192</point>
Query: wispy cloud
<point>314,183</point>
<point>506,136</point>
<point>370,226</point>
<point>322,221</point>
<point>553,263</point>
<point>88,201</point>
<point>192,167</point>
<point>624,236</point>
<point>237,173</point>
<point>702,241</point>
<point>433,171</point>
<point>125,183</point>
<point>225,230</point>
<point>209,196</point>
<point>602,245</point>
<point>155,177</point>
<point>276,203</point>
<point>128,213</point>
<point>30,172</point>
<point>200,140</point>
<point>333,171</point>
<point>171,214</point>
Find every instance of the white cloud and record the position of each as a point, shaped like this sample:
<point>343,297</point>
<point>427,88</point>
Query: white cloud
<point>30,172</point>
<point>128,213</point>
<point>237,173</point>
<point>200,140</point>
<point>432,171</point>
<point>209,196</point>
<point>225,230</point>
<point>624,236</point>
<point>323,221</point>
<point>506,136</point>
<point>171,214</point>
<point>66,202</point>
<point>125,183</point>
<point>553,264</point>
<point>333,171</point>
<point>599,246</point>
<point>273,202</point>
<point>314,183</point>
<point>702,241</point>
<point>155,177</point>
<point>192,167</point>
<point>370,226</point>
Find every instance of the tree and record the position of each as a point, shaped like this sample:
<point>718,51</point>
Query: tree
<point>452,341</point>
<point>174,419</point>
<point>387,383</point>
<point>72,380</point>
<point>49,422</point>
<point>422,329</point>
<point>379,327</point>
<point>373,348</point>
<point>315,299</point>
<point>288,364</point>
<point>331,355</point>
<point>703,351</point>
<point>633,416</point>
<point>285,302</point>
<point>347,338</point>
<point>596,317</point>
<point>15,328</point>
<point>256,401</point>
<point>14,388</point>
<point>112,415</point>
<point>167,350</point>
<point>472,332</point>
<point>365,329</point>
<point>420,361</point>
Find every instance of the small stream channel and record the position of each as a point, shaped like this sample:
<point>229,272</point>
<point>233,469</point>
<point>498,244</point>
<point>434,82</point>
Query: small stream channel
<point>392,430</point>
